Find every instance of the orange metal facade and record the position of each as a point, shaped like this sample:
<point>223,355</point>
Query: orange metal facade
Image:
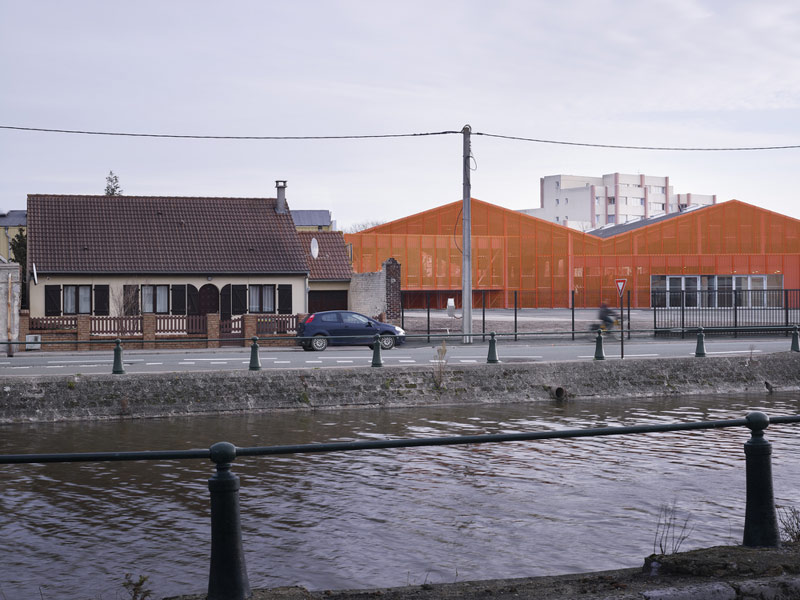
<point>543,262</point>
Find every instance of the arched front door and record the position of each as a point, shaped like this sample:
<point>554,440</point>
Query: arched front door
<point>209,299</point>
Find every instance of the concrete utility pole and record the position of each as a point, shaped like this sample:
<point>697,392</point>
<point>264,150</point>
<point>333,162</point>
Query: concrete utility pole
<point>466,231</point>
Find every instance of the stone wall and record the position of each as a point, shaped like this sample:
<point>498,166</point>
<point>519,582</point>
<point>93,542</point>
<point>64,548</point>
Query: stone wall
<point>373,294</point>
<point>56,398</point>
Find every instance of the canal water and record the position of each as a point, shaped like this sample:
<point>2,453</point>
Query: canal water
<point>379,518</point>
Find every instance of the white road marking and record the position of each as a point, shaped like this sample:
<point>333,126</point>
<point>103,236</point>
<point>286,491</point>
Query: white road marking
<point>161,363</point>
<point>54,367</point>
<point>407,361</point>
<point>218,362</point>
<point>344,361</point>
<point>467,360</point>
<point>314,362</point>
<point>731,352</point>
<point>283,362</point>
<point>185,363</point>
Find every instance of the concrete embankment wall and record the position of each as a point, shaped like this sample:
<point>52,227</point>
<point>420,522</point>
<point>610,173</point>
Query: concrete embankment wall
<point>60,398</point>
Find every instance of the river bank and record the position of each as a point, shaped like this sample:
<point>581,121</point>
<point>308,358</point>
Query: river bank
<point>94,397</point>
<point>719,573</point>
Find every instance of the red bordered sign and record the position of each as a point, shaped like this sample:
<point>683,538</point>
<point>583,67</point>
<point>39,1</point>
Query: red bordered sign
<point>620,285</point>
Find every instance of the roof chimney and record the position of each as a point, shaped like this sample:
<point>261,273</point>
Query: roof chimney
<point>280,207</point>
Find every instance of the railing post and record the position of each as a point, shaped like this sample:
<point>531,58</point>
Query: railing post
<point>118,369</point>
<point>428,304</point>
<point>700,349</point>
<point>598,347</point>
<point>492,358</point>
<point>515,315</point>
<point>227,578</point>
<point>572,305</point>
<point>377,361</point>
<point>795,343</point>
<point>255,360</point>
<point>761,520</point>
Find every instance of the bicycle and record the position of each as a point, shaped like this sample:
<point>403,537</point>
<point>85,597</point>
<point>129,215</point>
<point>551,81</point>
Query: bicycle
<point>604,328</point>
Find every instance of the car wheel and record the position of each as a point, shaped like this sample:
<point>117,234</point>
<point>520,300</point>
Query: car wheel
<point>319,343</point>
<point>387,342</point>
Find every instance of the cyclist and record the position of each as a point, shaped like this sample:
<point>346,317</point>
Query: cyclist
<point>606,315</point>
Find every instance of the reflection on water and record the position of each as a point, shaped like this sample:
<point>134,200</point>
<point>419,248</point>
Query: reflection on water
<point>378,518</point>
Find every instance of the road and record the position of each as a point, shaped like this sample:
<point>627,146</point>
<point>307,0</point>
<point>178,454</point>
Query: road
<point>230,359</point>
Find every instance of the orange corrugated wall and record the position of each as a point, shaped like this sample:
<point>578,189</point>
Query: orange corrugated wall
<point>543,261</point>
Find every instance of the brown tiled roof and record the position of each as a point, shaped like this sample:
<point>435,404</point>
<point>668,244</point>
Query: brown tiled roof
<point>333,261</point>
<point>138,234</point>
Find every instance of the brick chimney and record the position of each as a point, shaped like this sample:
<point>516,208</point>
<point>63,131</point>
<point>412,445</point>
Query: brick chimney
<point>280,207</point>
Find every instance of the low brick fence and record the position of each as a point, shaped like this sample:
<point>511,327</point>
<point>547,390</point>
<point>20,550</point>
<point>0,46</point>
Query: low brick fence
<point>78,330</point>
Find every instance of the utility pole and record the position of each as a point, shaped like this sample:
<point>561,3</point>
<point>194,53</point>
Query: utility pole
<point>466,232</point>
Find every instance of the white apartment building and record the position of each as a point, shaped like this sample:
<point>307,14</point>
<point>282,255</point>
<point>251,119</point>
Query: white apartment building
<point>586,203</point>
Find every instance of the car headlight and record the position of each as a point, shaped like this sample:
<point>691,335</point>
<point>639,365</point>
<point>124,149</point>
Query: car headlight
<point>399,331</point>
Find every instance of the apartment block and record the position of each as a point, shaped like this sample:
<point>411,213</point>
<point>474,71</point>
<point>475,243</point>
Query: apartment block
<point>586,203</point>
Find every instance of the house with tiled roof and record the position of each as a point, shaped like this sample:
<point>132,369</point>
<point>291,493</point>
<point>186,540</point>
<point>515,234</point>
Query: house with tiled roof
<point>329,270</point>
<point>129,255</point>
<point>11,223</point>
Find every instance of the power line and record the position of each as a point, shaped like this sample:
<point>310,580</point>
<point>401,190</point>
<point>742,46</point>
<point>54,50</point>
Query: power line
<point>621,147</point>
<point>230,137</point>
<point>397,135</point>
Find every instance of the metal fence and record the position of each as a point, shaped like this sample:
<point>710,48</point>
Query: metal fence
<point>228,573</point>
<point>726,311</point>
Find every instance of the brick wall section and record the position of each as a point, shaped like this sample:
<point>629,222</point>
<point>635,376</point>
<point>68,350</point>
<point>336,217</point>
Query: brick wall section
<point>392,269</point>
<point>84,331</point>
<point>376,294</point>
<point>212,329</point>
<point>149,331</point>
<point>249,326</point>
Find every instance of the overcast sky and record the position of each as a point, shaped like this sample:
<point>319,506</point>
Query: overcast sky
<point>683,73</point>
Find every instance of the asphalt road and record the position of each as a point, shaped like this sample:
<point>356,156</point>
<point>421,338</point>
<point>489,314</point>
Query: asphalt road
<point>227,359</point>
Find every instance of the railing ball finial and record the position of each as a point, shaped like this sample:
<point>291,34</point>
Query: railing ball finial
<point>795,340</point>
<point>700,349</point>
<point>760,520</point>
<point>492,358</point>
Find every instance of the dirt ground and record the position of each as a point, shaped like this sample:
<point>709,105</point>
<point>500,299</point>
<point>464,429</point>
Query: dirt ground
<point>771,572</point>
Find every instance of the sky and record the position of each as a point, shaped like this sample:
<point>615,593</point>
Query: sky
<point>675,73</point>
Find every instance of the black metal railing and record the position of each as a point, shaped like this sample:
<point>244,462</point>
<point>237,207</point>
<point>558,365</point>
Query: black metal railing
<point>725,311</point>
<point>228,573</point>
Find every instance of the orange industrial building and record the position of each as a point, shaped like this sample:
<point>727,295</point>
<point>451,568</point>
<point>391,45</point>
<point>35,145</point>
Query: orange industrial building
<point>704,254</point>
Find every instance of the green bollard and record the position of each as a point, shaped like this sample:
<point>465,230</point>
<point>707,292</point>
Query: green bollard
<point>700,350</point>
<point>377,361</point>
<point>492,358</point>
<point>795,342</point>
<point>598,347</point>
<point>255,360</point>
<point>118,369</point>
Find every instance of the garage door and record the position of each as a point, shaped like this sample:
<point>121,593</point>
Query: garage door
<point>327,300</point>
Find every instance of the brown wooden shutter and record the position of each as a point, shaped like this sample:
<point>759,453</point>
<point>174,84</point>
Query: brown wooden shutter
<point>52,300</point>
<point>101,300</point>
<point>285,299</point>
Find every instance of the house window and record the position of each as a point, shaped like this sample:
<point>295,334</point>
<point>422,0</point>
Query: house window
<point>130,299</point>
<point>612,200</point>
<point>612,218</point>
<point>262,298</point>
<point>155,299</point>
<point>77,299</point>
<point>556,201</point>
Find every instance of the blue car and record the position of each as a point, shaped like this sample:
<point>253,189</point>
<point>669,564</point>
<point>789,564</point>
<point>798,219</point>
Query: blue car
<point>345,328</point>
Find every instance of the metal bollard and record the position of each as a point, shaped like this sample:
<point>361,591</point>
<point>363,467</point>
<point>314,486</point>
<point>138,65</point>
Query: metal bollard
<point>492,358</point>
<point>598,347</point>
<point>761,519</point>
<point>255,360</point>
<point>795,342</point>
<point>700,349</point>
<point>227,577</point>
<point>118,369</point>
<point>377,361</point>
